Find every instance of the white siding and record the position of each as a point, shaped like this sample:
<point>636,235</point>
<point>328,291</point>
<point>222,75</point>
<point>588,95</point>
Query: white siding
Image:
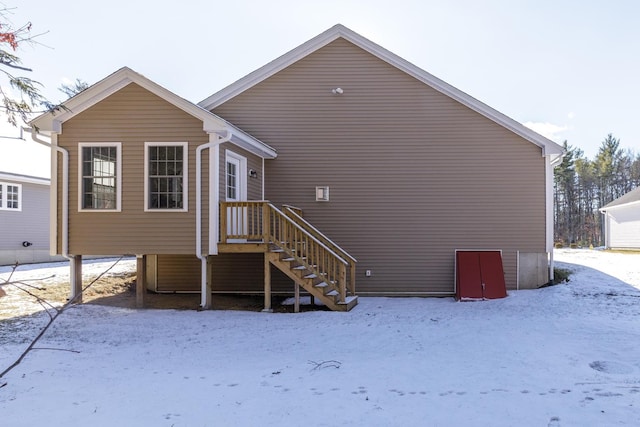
<point>30,224</point>
<point>624,227</point>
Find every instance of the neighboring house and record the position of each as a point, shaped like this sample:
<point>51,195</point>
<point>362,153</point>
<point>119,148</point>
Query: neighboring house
<point>24,219</point>
<point>397,167</point>
<point>622,221</point>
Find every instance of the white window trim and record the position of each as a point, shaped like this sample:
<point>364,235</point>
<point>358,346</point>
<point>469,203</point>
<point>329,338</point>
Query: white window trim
<point>4,205</point>
<point>185,175</point>
<point>118,146</point>
<point>242,174</point>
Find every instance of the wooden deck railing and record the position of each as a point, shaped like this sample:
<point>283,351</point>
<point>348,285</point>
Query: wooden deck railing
<point>241,221</point>
<point>296,215</point>
<point>253,221</point>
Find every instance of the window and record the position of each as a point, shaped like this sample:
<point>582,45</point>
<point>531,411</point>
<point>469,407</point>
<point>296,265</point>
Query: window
<point>232,180</point>
<point>100,176</point>
<point>10,196</point>
<point>166,176</point>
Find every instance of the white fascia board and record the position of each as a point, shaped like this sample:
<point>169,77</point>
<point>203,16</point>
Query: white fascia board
<point>548,147</point>
<point>244,140</point>
<point>51,122</point>
<point>623,205</point>
<point>24,179</point>
<point>271,68</point>
<point>110,85</point>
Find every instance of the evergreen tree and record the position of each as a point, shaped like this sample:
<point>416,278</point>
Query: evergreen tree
<point>20,95</point>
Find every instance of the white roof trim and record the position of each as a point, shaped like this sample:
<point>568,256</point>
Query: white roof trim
<point>339,31</point>
<point>628,199</point>
<point>8,176</point>
<point>52,121</point>
<point>623,205</point>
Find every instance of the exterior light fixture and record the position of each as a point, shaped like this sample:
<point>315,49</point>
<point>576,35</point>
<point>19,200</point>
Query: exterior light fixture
<point>337,91</point>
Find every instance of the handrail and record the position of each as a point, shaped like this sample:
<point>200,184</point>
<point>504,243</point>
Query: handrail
<point>307,250</point>
<point>296,209</point>
<point>306,232</point>
<point>317,233</point>
<point>263,221</point>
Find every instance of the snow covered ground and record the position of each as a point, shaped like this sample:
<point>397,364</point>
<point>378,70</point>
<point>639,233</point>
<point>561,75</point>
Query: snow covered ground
<point>567,355</point>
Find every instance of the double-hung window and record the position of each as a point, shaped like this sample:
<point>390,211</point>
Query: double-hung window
<point>10,196</point>
<point>100,170</point>
<point>166,176</point>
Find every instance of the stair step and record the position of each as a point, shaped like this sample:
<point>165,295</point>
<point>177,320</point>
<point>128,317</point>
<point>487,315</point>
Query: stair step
<point>299,267</point>
<point>349,303</point>
<point>332,293</point>
<point>311,276</point>
<point>288,259</point>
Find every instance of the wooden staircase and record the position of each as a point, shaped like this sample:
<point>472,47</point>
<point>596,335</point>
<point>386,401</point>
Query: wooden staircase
<point>314,262</point>
<point>318,287</point>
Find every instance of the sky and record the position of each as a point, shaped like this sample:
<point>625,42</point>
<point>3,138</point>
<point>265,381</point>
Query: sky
<point>568,69</point>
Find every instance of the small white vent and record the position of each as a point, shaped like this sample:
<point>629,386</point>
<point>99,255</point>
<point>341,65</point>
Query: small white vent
<point>322,194</point>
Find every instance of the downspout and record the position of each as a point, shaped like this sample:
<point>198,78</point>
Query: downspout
<point>213,202</point>
<point>262,177</point>
<point>549,167</point>
<point>65,190</point>
<point>606,222</point>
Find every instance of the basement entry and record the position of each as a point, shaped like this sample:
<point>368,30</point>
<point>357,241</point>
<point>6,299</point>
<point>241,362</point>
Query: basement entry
<point>479,275</point>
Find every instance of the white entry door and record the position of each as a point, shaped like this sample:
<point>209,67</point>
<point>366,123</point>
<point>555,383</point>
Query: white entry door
<point>236,191</point>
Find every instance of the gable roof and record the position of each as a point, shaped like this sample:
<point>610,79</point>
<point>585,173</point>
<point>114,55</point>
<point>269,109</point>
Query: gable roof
<point>632,196</point>
<point>51,122</point>
<point>339,31</point>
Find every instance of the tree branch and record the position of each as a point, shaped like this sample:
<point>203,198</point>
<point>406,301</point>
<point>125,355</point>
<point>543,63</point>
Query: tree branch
<point>53,318</point>
<point>9,64</point>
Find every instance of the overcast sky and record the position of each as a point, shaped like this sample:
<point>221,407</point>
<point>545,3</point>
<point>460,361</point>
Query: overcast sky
<point>569,69</point>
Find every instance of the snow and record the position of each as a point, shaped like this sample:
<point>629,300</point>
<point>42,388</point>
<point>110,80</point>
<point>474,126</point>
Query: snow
<point>566,355</point>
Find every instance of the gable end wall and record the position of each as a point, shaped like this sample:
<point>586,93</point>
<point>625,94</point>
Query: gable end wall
<point>413,174</point>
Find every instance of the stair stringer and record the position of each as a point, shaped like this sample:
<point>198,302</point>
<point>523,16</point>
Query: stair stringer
<point>314,285</point>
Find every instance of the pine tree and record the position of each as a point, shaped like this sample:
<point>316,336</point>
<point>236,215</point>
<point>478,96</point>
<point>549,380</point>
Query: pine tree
<point>20,95</point>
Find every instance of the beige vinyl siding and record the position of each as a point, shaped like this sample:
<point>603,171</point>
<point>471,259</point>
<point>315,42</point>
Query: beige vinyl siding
<point>413,174</point>
<point>231,273</point>
<point>133,116</point>
<point>177,273</point>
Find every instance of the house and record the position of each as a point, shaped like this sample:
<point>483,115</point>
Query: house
<point>360,155</point>
<point>24,213</point>
<point>622,221</point>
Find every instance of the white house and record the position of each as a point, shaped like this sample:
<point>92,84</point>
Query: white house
<point>24,219</point>
<point>622,221</point>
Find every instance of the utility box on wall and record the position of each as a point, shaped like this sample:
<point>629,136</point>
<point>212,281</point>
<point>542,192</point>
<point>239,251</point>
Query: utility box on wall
<point>479,275</point>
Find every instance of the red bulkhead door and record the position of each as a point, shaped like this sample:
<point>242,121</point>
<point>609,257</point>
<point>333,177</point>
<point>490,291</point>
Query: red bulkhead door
<point>479,275</point>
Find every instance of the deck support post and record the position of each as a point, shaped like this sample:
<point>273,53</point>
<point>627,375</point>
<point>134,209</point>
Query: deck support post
<point>267,283</point>
<point>296,293</point>
<point>206,300</point>
<point>75,278</point>
<point>141,280</point>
